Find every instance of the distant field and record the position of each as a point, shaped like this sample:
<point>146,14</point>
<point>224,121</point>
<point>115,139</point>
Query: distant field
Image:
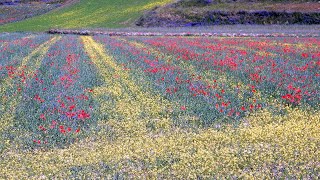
<point>18,12</point>
<point>158,107</point>
<point>290,6</point>
<point>88,13</point>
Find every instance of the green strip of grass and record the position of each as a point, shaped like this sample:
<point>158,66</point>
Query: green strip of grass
<point>88,13</point>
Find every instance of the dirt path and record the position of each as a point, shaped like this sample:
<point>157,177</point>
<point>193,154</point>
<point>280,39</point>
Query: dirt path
<point>220,31</point>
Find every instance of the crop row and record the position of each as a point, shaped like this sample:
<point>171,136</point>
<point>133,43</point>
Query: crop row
<point>158,107</point>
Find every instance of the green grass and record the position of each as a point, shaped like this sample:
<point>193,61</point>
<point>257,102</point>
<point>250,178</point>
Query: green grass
<point>88,13</point>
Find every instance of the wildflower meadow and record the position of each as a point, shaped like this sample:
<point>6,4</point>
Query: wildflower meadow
<point>162,107</point>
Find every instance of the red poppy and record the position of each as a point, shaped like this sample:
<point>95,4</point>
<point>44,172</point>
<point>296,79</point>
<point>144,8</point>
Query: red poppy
<point>254,90</point>
<point>223,104</point>
<point>37,98</point>
<point>72,107</point>
<point>42,128</point>
<point>70,114</point>
<point>42,116</point>
<point>168,90</point>
<point>62,131</point>
<point>54,122</point>
<point>305,55</point>
<point>83,115</point>
<point>78,130</point>
<point>62,105</point>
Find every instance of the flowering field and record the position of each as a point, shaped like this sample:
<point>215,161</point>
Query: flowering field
<point>159,107</point>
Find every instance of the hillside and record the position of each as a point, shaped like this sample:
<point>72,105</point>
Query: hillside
<point>222,12</point>
<point>130,13</point>
<point>88,13</point>
<point>13,11</point>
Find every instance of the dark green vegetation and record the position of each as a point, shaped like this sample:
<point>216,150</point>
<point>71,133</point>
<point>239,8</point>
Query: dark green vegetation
<point>210,12</point>
<point>206,2</point>
<point>238,5</point>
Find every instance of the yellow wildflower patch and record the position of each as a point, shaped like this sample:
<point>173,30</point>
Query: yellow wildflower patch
<point>131,100</point>
<point>261,147</point>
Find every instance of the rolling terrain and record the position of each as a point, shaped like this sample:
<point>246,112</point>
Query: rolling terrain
<point>88,13</point>
<point>84,14</point>
<point>98,98</point>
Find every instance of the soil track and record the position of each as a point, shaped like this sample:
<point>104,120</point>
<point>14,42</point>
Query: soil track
<point>223,31</point>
